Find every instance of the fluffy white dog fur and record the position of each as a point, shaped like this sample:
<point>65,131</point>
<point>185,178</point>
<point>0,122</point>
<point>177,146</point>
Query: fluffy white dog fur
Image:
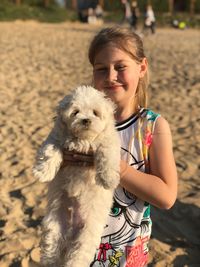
<point>79,197</point>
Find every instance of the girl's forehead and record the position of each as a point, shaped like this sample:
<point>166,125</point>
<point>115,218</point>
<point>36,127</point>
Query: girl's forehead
<point>111,46</point>
<point>111,52</point>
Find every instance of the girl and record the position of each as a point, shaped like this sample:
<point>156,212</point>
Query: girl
<point>148,171</point>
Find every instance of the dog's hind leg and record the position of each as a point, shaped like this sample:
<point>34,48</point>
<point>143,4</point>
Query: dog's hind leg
<point>83,251</point>
<point>87,241</point>
<point>52,242</point>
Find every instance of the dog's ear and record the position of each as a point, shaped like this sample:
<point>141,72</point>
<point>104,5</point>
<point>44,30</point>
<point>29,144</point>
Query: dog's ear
<point>110,106</point>
<point>63,104</point>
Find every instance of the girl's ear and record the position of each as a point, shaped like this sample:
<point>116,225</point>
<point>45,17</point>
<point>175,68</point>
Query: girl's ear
<point>143,67</point>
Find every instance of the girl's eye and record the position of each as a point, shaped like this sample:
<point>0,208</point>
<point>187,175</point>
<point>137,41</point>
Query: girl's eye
<point>115,211</point>
<point>121,68</point>
<point>100,69</point>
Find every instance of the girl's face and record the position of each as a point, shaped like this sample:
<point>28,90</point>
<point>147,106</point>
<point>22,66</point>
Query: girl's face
<point>117,74</point>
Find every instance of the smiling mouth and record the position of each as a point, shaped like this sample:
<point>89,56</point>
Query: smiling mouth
<point>113,87</point>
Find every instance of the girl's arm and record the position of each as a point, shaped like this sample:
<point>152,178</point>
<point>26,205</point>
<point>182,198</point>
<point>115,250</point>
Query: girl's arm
<point>159,188</point>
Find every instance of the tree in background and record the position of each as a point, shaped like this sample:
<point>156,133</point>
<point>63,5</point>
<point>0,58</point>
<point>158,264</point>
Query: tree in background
<point>163,6</point>
<point>17,2</point>
<point>46,3</point>
<point>101,3</point>
<point>171,4</point>
<point>192,7</point>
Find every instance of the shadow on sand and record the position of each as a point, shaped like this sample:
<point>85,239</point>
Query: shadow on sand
<point>180,228</point>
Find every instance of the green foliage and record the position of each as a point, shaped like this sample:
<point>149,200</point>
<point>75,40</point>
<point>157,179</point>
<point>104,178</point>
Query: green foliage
<point>114,16</point>
<point>112,5</point>
<point>34,9</point>
<point>197,6</point>
<point>160,6</point>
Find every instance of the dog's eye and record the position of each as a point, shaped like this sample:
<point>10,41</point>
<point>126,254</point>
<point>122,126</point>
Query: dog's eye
<point>96,113</point>
<point>74,113</point>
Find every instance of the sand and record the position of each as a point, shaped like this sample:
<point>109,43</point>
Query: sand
<point>39,64</point>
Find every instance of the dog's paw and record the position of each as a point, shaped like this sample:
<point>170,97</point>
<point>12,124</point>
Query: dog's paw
<point>107,181</point>
<point>107,173</point>
<point>40,171</point>
<point>82,146</point>
<point>48,163</point>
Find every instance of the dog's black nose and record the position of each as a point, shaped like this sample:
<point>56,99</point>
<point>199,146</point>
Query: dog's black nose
<point>86,122</point>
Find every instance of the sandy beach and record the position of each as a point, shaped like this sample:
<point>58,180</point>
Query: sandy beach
<point>40,63</point>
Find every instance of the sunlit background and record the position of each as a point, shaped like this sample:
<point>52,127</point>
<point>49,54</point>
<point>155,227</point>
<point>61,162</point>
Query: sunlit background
<point>43,54</point>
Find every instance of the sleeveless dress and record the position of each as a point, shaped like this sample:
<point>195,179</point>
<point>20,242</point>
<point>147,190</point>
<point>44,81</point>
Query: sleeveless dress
<point>124,242</point>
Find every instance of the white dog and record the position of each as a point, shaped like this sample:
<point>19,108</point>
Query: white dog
<point>79,197</point>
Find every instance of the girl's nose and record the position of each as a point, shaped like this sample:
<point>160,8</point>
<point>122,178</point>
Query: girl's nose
<point>112,75</point>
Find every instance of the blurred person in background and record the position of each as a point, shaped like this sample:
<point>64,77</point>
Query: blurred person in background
<point>99,11</point>
<point>127,15</point>
<point>150,20</point>
<point>135,13</point>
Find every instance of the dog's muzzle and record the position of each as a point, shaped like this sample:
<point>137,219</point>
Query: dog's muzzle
<point>86,122</point>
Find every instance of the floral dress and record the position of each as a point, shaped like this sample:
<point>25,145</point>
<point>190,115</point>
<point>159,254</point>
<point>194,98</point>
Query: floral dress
<point>124,242</point>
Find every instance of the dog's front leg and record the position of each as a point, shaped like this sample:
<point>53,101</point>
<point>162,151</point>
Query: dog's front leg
<point>107,167</point>
<point>48,162</point>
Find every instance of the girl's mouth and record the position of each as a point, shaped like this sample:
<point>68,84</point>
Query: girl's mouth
<point>112,87</point>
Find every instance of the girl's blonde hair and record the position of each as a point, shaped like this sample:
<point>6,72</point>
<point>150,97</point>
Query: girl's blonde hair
<point>129,42</point>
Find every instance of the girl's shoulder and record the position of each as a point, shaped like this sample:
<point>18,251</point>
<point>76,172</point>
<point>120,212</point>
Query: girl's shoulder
<point>150,115</point>
<point>155,121</point>
<point>149,119</point>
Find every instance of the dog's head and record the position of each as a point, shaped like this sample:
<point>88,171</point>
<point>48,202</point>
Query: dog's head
<point>86,112</point>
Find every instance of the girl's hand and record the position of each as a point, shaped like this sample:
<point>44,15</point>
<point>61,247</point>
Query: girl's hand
<point>123,168</point>
<point>76,158</point>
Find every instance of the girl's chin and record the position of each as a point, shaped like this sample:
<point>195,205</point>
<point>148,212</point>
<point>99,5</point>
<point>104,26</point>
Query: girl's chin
<point>114,97</point>
<point>117,102</point>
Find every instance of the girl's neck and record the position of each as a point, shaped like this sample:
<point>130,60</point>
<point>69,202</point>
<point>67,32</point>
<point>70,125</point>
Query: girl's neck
<point>123,113</point>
